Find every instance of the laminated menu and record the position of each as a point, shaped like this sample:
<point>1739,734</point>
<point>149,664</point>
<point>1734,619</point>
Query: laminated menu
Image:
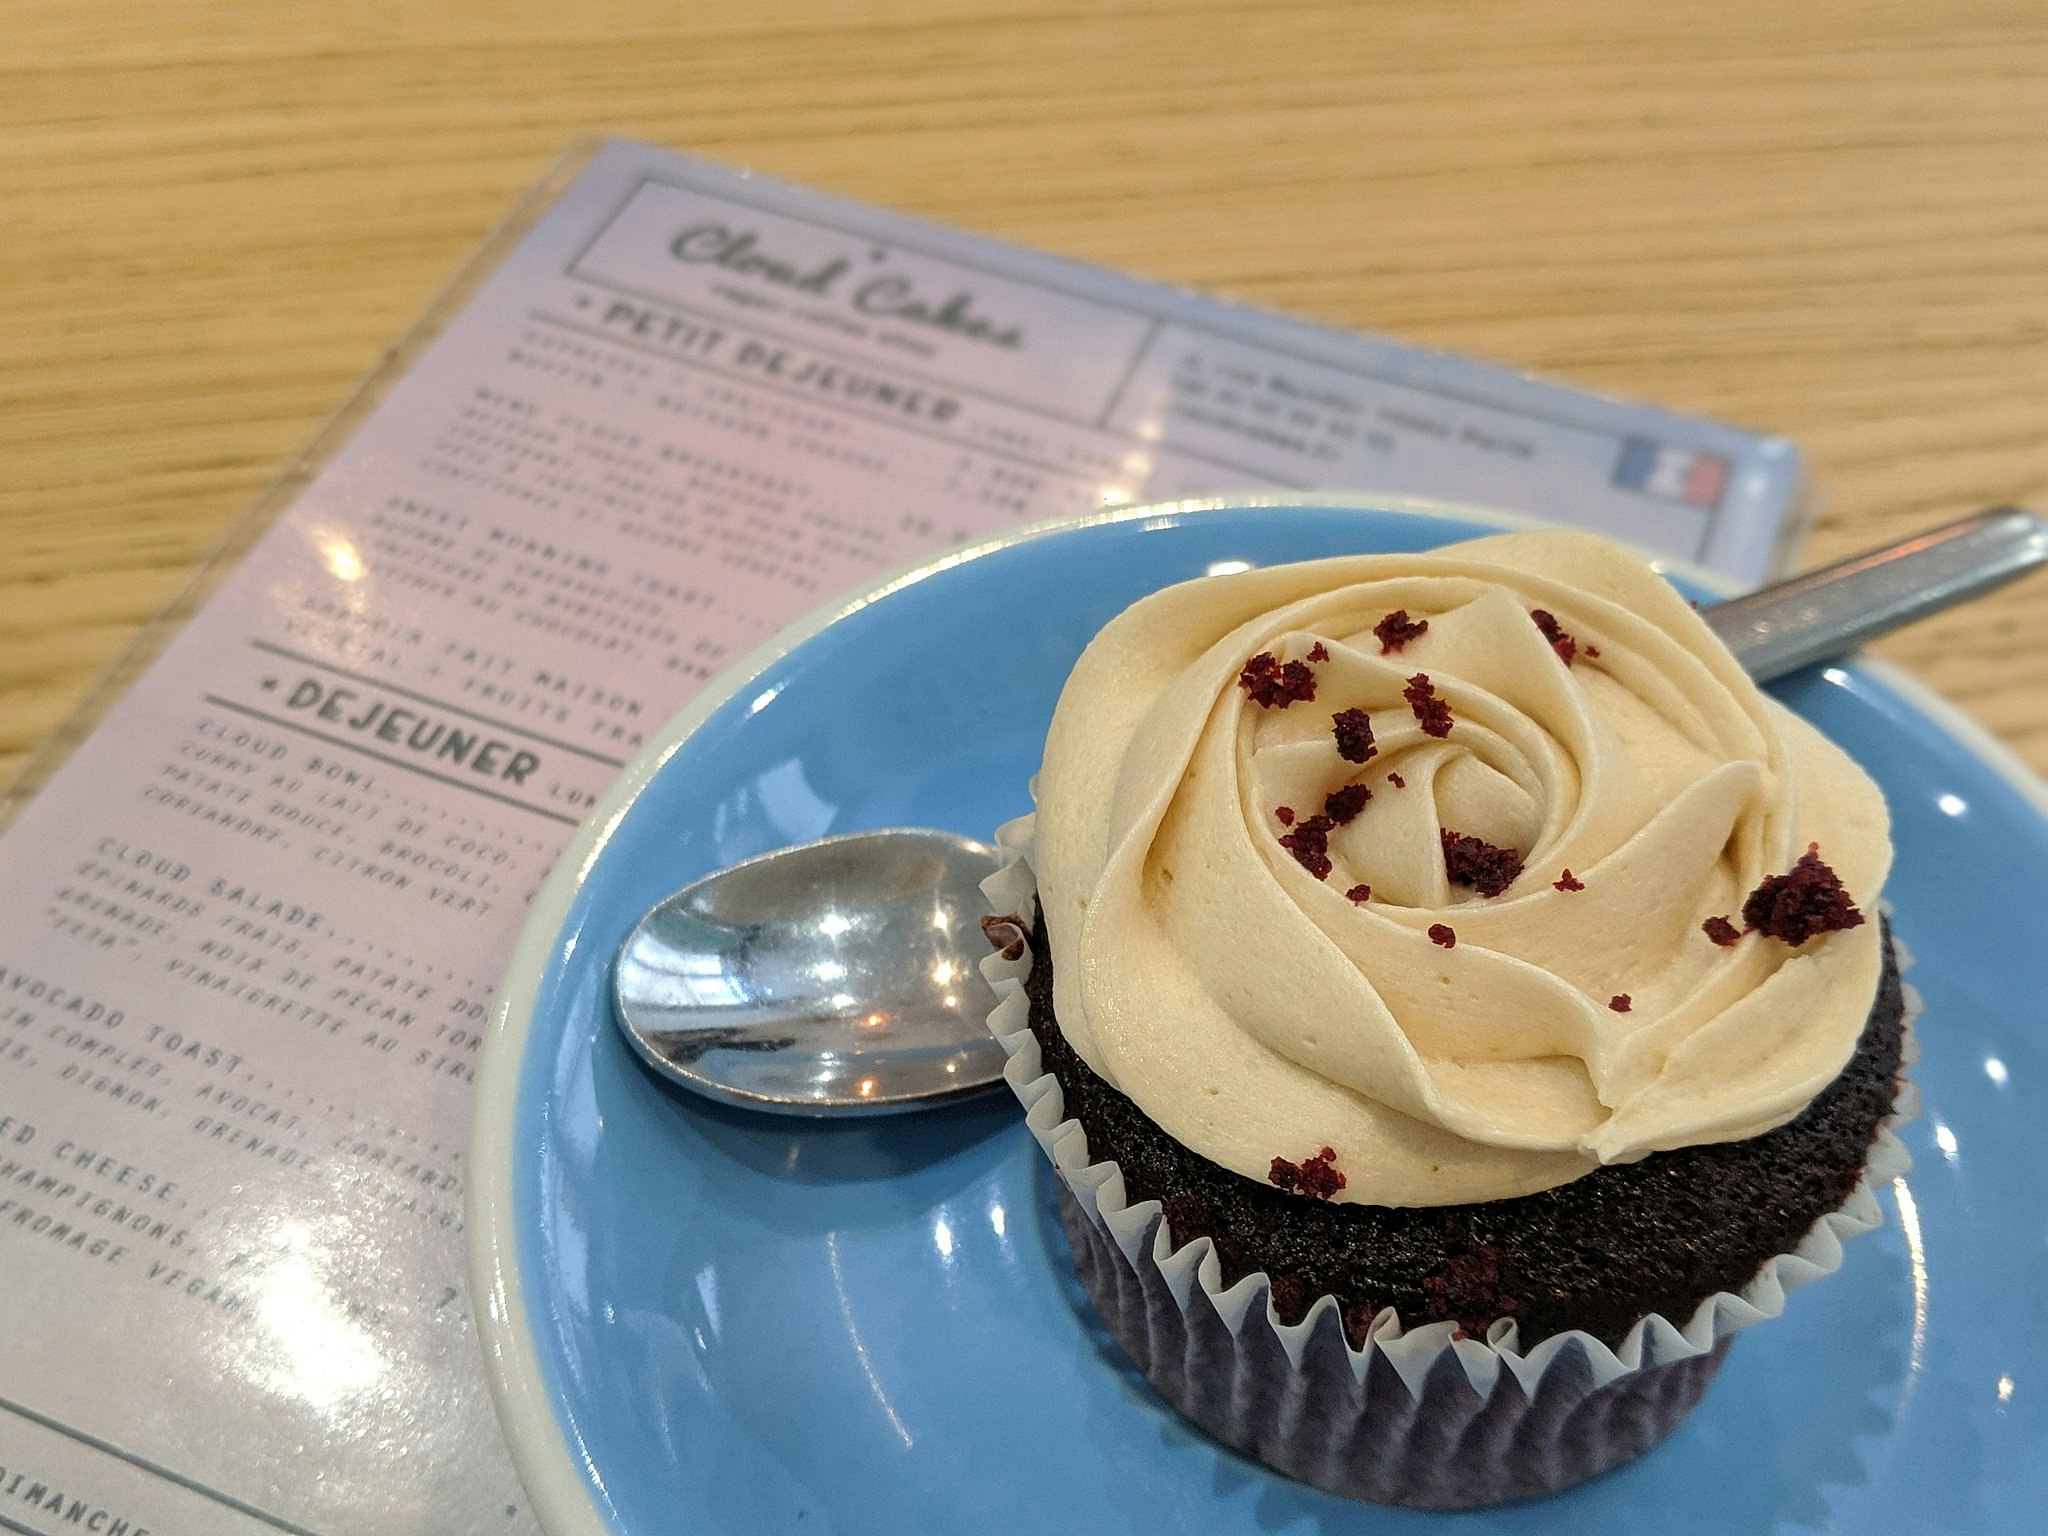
<point>254,902</point>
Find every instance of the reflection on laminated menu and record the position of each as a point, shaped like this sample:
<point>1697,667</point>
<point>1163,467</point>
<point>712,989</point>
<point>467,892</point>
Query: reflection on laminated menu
<point>56,1477</point>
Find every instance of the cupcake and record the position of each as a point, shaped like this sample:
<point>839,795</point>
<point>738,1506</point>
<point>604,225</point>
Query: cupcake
<point>1455,1001</point>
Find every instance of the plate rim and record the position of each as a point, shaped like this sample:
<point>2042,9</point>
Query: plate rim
<point>557,1487</point>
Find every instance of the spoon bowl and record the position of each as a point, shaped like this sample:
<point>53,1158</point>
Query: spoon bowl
<point>828,978</point>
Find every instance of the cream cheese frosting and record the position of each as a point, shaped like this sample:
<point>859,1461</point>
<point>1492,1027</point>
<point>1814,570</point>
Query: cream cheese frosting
<point>1255,1011</point>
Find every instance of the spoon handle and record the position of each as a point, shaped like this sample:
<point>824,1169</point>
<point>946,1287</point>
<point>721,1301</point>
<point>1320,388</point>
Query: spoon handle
<point>1836,608</point>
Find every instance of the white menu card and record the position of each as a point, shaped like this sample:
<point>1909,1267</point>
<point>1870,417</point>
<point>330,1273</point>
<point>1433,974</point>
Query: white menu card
<point>250,923</point>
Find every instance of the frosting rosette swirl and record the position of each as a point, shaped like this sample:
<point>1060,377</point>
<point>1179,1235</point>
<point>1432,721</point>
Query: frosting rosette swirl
<point>1479,1024</point>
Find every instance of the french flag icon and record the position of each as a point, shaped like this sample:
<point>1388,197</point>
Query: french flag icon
<point>1674,474</point>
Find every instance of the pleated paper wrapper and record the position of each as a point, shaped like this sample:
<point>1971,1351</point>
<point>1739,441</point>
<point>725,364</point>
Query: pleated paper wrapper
<point>1418,1415</point>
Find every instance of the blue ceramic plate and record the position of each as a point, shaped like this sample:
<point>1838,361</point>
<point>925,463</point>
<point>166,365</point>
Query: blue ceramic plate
<point>700,1320</point>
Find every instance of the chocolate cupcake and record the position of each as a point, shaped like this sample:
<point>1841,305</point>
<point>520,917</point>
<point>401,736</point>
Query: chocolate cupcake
<point>1451,1007</point>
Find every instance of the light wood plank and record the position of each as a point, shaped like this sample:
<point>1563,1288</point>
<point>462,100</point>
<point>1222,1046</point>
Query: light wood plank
<point>1829,219</point>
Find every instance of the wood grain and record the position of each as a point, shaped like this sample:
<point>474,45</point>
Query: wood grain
<point>1829,219</point>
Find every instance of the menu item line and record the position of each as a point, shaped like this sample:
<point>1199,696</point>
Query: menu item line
<point>442,704</point>
<point>144,1464</point>
<point>1260,477</point>
<point>395,762</point>
<point>755,381</point>
<point>812,344</point>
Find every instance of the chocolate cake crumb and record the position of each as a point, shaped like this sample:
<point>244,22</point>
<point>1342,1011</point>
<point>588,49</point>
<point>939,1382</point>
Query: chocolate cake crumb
<point>1284,814</point>
<point>1343,805</point>
<point>1317,1176</point>
<point>1397,629</point>
<point>1721,931</point>
<point>1005,934</point>
<point>1182,1210</point>
<point>1442,933</point>
<point>1477,863</point>
<point>1620,1002</point>
<point>1431,713</point>
<point>1309,842</point>
<point>1560,642</point>
<point>1273,684</point>
<point>1319,652</point>
<point>1359,895</point>
<point>1567,882</point>
<point>1397,781</point>
<point>1807,899</point>
<point>1353,730</point>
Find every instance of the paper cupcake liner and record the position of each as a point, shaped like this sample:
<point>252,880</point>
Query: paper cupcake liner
<point>1418,1415</point>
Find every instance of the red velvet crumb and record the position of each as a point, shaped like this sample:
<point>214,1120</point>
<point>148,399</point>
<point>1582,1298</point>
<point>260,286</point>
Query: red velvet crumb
<point>1560,642</point>
<point>1309,842</point>
<point>1471,1290</point>
<point>1431,712</point>
<point>1274,685</point>
<point>1359,895</point>
<point>1319,652</point>
<point>1721,931</point>
<point>1475,862</point>
<point>1442,933</point>
<point>1316,1176</point>
<point>1284,814</point>
<point>1353,730</point>
<point>1343,805</point>
<point>1806,900</point>
<point>1358,1320</point>
<point>1397,781</point>
<point>1289,1295</point>
<point>1397,629</point>
<point>1620,1002</point>
<point>1589,650</point>
<point>1568,882</point>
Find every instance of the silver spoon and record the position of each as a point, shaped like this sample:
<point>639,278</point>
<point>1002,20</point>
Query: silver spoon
<point>834,977</point>
<point>842,976</point>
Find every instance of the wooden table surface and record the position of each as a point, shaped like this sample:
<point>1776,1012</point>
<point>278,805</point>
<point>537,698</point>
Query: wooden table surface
<point>1827,219</point>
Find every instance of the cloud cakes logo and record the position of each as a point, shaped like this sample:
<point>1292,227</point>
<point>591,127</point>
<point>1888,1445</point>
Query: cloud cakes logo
<point>950,309</point>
